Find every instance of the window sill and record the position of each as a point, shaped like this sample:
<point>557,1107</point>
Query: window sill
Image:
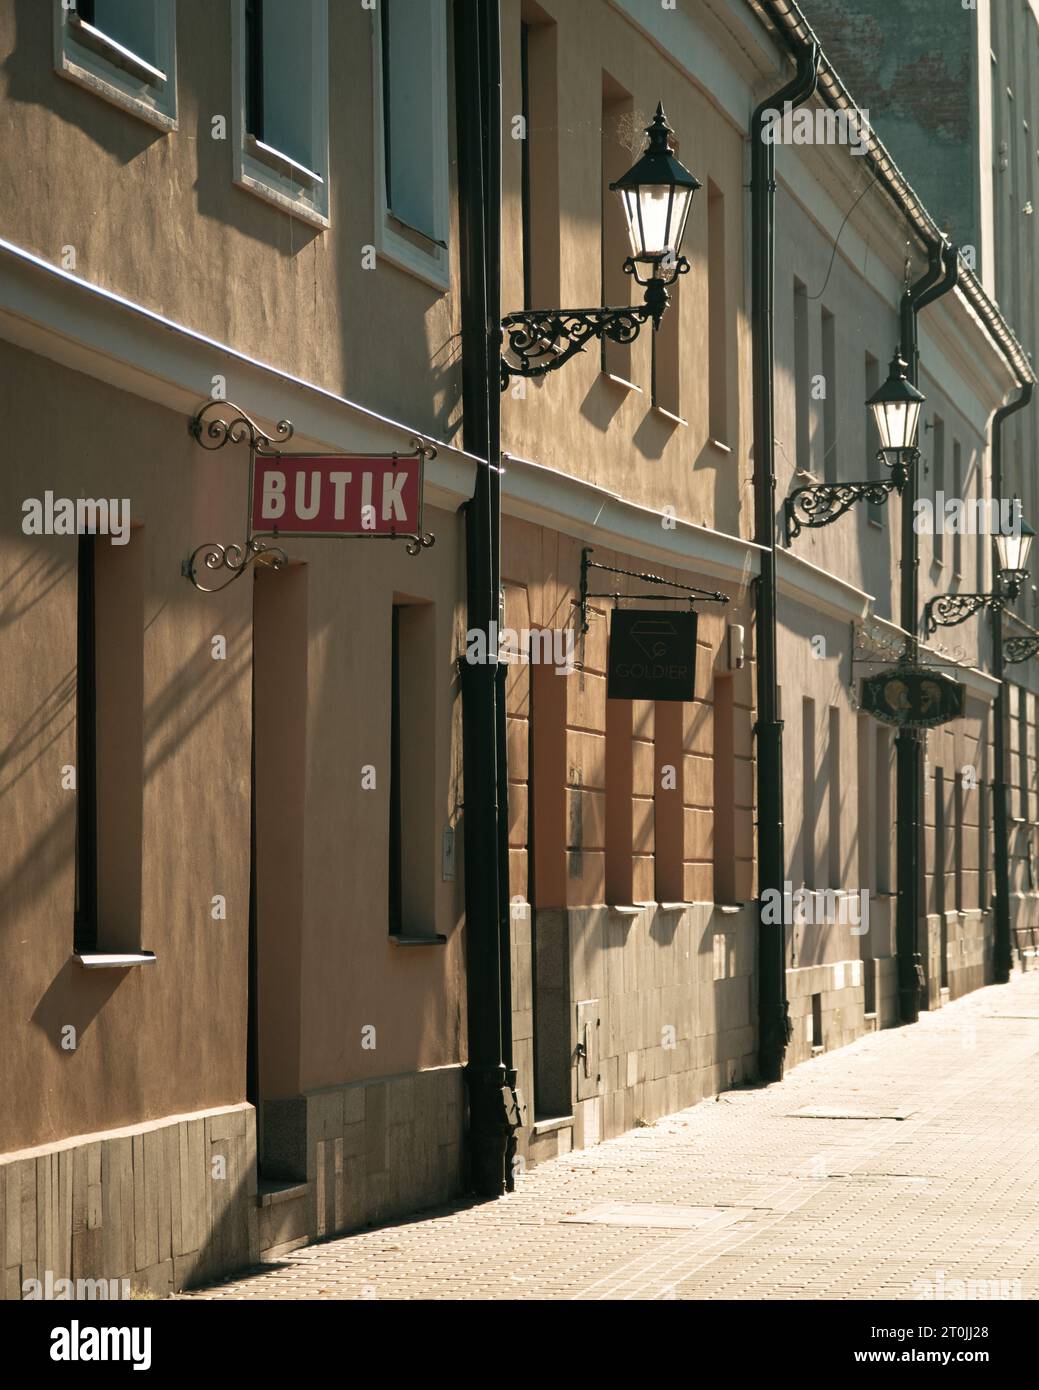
<point>91,59</point>
<point>115,52</point>
<point>113,960</point>
<point>557,1122</point>
<point>437,940</point>
<point>282,163</point>
<point>621,381</point>
<point>289,193</point>
<point>673,419</point>
<point>717,444</point>
<point>626,909</point>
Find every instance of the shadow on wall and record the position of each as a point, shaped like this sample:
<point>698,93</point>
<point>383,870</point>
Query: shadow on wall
<point>169,720</point>
<point>33,81</point>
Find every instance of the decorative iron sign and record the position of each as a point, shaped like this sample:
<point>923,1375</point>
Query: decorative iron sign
<point>297,496</point>
<point>652,655</point>
<point>916,697</point>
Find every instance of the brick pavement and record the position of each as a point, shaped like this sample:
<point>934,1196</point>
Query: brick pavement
<point>768,1203</point>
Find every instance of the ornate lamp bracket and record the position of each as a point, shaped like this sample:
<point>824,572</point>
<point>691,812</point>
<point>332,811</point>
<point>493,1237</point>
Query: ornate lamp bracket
<point>1020,648</point>
<point>537,341</point>
<point>819,504</point>
<point>947,610</point>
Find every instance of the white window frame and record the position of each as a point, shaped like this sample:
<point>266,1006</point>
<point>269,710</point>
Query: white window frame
<point>432,265</point>
<point>88,56</point>
<point>270,173</point>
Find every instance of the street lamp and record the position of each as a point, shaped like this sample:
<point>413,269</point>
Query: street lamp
<point>1012,550</point>
<point>656,195</point>
<point>896,410</point>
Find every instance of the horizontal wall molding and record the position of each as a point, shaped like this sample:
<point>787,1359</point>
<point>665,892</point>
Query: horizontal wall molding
<point>534,493</point>
<point>92,330</point>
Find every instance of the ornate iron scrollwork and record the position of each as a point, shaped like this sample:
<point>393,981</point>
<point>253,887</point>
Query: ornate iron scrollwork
<point>235,558</point>
<point>209,428</point>
<point>541,340</point>
<point>823,503</point>
<point>949,609</point>
<point>1020,648</point>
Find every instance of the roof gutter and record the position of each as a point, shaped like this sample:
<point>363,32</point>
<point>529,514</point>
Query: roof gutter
<point>786,17</point>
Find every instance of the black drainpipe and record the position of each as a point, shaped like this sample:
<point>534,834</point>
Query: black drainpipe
<point>478,126</point>
<point>773,1012</point>
<point>1002,953</point>
<point>939,278</point>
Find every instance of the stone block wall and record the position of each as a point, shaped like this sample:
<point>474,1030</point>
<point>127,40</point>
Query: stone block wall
<point>161,1205</point>
<point>663,1001</point>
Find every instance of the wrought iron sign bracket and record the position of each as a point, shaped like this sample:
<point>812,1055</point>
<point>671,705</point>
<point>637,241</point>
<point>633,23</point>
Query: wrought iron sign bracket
<point>219,422</point>
<point>819,504</point>
<point>688,591</point>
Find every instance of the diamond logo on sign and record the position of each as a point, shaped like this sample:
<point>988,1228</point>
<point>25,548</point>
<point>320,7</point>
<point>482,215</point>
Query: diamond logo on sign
<point>915,697</point>
<point>652,655</point>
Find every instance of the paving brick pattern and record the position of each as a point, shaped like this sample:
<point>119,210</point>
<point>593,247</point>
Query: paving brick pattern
<point>767,1203</point>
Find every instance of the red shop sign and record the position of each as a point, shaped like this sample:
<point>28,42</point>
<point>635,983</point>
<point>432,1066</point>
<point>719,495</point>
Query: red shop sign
<point>336,495</point>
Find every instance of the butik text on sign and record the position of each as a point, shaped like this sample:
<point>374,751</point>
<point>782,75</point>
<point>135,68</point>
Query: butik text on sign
<point>322,494</point>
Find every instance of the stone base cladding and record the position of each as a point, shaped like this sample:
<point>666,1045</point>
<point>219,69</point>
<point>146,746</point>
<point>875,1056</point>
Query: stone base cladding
<point>1024,929</point>
<point>839,1016</point>
<point>361,1153</point>
<point>163,1205</point>
<point>968,951</point>
<point>638,1014</point>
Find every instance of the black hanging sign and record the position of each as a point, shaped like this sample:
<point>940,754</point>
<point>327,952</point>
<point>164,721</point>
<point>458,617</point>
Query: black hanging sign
<point>652,655</point>
<point>915,697</point>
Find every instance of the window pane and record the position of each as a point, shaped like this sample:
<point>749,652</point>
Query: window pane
<point>129,22</point>
<point>407,39</point>
<point>288,30</point>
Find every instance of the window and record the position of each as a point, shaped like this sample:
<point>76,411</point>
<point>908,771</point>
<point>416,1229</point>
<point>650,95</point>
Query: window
<point>124,50</point>
<point>85,931</point>
<point>619,788</point>
<point>724,792</point>
<point>617,109</point>
<point>883,812</point>
<point>808,802</point>
<point>829,329</point>
<point>1022,751</point>
<point>717,316</point>
<point>412,837</point>
<point>874,510</point>
<point>280,116</point>
<point>938,489</point>
<point>669,802</point>
<point>802,385</point>
<point>833,783</point>
<point>109,744</point>
<point>539,188</point>
<point>958,492</point>
<point>411,151</point>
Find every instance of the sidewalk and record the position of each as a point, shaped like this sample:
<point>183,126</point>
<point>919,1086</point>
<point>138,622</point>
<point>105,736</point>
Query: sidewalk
<point>930,1178</point>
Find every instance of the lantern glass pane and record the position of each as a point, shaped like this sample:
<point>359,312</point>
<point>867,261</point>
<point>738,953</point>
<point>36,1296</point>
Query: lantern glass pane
<point>655,204</point>
<point>679,213</point>
<point>1013,550</point>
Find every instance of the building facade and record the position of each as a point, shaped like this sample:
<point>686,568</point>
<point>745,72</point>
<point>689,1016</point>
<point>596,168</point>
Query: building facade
<point>236,919</point>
